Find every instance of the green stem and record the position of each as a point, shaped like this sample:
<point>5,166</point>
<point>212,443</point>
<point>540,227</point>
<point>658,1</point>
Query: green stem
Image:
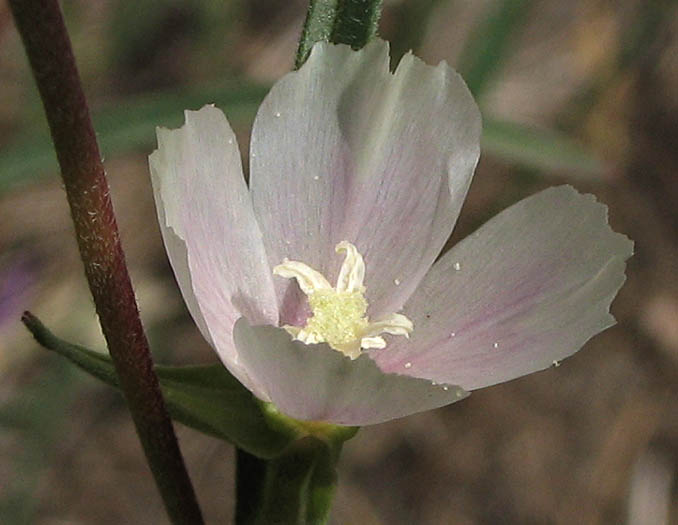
<point>294,488</point>
<point>48,47</point>
<point>352,22</point>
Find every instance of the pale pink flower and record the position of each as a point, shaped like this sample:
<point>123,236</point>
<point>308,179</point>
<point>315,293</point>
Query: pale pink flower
<point>347,155</point>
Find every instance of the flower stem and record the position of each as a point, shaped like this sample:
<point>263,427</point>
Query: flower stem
<point>48,47</point>
<point>296,487</point>
<point>352,22</point>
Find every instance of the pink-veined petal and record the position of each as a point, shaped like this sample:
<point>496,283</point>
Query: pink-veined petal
<point>344,150</point>
<point>316,383</point>
<point>525,291</point>
<point>212,238</point>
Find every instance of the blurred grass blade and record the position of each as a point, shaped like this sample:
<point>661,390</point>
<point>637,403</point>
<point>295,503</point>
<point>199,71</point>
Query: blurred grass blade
<point>127,126</point>
<point>130,126</point>
<point>540,149</point>
<point>489,43</point>
<point>207,398</point>
<point>352,22</point>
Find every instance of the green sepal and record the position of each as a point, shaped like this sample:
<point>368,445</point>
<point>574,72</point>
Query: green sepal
<point>207,398</point>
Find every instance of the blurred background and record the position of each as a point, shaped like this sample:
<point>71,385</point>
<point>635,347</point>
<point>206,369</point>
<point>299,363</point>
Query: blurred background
<point>582,92</point>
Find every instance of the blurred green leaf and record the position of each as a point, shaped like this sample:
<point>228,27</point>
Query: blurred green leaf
<point>126,127</point>
<point>489,43</point>
<point>539,149</point>
<point>207,398</point>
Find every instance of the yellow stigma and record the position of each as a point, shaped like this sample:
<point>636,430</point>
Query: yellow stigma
<point>339,314</point>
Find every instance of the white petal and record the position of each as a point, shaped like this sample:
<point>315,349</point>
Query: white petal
<point>343,150</point>
<point>526,290</point>
<point>316,383</point>
<point>210,233</point>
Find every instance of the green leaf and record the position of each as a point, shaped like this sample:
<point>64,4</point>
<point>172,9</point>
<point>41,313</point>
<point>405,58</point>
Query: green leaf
<point>206,398</point>
<point>489,43</point>
<point>541,149</point>
<point>125,127</point>
<point>352,22</point>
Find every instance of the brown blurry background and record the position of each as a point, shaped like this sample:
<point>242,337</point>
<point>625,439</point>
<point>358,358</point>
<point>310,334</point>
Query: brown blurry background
<point>582,92</point>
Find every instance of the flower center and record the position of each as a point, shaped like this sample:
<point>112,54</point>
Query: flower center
<point>340,313</point>
<point>338,317</point>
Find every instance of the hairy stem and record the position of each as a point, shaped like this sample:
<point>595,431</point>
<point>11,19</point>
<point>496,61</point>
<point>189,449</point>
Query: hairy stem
<point>352,22</point>
<point>48,47</point>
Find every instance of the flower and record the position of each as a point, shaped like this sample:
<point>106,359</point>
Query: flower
<point>347,156</point>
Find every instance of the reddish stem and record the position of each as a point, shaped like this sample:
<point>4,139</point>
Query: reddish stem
<point>48,47</point>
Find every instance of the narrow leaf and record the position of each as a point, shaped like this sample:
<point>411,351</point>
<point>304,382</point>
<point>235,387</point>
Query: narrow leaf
<point>206,398</point>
